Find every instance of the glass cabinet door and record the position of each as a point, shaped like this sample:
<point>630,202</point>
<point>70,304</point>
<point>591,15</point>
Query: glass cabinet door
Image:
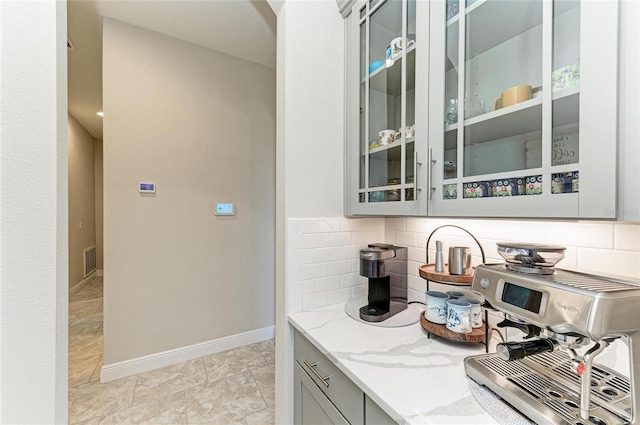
<point>387,161</point>
<point>511,105</point>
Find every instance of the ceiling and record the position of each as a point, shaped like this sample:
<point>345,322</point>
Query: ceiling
<point>241,28</point>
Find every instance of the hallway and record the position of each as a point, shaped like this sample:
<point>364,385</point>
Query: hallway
<point>232,387</point>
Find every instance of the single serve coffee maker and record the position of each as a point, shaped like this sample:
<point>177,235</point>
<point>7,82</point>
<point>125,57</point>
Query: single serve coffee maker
<point>385,267</point>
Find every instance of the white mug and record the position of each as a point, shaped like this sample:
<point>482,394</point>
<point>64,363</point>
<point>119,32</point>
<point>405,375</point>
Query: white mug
<point>436,307</point>
<point>458,313</point>
<point>397,45</point>
<point>475,314</point>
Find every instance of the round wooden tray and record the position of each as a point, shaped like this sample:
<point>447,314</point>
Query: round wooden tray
<point>475,336</point>
<point>428,271</point>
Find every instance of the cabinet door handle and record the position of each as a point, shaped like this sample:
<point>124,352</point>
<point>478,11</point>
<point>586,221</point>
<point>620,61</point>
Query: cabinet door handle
<point>430,162</point>
<point>315,372</point>
<point>416,189</point>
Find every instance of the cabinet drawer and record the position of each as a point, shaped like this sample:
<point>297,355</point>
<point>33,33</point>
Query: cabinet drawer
<point>312,407</point>
<point>343,393</point>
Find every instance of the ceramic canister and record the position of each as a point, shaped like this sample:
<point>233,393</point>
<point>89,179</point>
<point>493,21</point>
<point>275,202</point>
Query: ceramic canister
<point>436,307</point>
<point>458,316</point>
<point>475,313</point>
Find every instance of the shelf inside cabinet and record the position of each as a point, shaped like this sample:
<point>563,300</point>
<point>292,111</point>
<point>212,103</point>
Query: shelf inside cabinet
<point>491,23</point>
<point>394,152</point>
<point>566,104</point>
<point>389,79</point>
<point>522,118</point>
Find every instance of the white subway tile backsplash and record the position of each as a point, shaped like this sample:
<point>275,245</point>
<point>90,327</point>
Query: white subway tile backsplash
<point>355,264</point>
<point>523,231</point>
<point>413,268</point>
<point>323,254</point>
<point>309,302</point>
<point>339,239</point>
<point>405,239</point>
<point>339,296</point>
<point>350,280</point>
<point>374,223</point>
<point>362,238</point>
<point>359,291</point>
<point>340,267</point>
<point>328,254</point>
<point>349,252</point>
<point>421,240</point>
<point>417,254</point>
<point>622,263</point>
<point>310,256</point>
<point>326,225</point>
<point>315,240</point>
<point>315,271</point>
<point>627,237</point>
<point>417,225</point>
<point>591,235</point>
<point>329,283</point>
<point>309,286</point>
<point>351,224</point>
<point>397,224</point>
<point>415,296</point>
<point>417,283</point>
<point>294,241</point>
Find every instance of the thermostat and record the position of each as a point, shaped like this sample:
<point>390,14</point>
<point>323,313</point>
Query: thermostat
<point>146,187</point>
<point>225,209</point>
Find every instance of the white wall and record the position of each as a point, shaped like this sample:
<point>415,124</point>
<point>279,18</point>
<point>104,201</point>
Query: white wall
<point>33,213</point>
<point>99,205</point>
<point>310,143</point>
<point>201,125</point>
<point>82,201</point>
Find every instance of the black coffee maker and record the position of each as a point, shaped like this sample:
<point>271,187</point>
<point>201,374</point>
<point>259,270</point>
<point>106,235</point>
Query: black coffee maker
<point>385,266</point>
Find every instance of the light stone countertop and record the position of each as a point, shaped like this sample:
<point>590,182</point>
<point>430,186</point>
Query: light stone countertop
<point>415,380</point>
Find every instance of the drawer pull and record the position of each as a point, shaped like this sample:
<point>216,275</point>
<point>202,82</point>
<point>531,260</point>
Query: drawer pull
<point>315,372</point>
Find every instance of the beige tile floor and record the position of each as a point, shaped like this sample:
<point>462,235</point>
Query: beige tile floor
<point>232,387</point>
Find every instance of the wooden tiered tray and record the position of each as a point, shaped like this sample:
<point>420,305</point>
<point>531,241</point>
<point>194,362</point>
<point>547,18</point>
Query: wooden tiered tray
<point>428,271</point>
<point>477,335</point>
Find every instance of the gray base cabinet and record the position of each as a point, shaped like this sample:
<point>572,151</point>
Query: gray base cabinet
<point>312,407</point>
<point>324,395</point>
<point>374,415</point>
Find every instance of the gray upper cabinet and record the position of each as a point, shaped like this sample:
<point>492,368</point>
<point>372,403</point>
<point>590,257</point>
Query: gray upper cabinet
<point>387,43</point>
<point>490,108</point>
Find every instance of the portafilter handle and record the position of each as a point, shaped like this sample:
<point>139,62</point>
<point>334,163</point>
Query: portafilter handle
<point>529,330</point>
<point>509,351</point>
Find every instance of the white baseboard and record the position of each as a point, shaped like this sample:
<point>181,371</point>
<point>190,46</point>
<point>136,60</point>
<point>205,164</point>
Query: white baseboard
<point>78,286</point>
<point>99,272</point>
<point>131,367</point>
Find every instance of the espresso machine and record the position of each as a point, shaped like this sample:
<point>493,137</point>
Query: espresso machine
<point>385,267</point>
<point>566,318</point>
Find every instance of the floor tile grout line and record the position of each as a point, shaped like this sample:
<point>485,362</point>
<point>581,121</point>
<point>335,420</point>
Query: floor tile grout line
<point>259,389</point>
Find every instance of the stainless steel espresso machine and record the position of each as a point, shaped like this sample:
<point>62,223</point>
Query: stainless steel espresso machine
<point>567,319</point>
<point>385,266</point>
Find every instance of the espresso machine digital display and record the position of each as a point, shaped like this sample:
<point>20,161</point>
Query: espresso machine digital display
<point>522,297</point>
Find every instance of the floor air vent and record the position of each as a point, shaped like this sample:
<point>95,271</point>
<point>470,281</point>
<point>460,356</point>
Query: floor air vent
<point>89,260</point>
